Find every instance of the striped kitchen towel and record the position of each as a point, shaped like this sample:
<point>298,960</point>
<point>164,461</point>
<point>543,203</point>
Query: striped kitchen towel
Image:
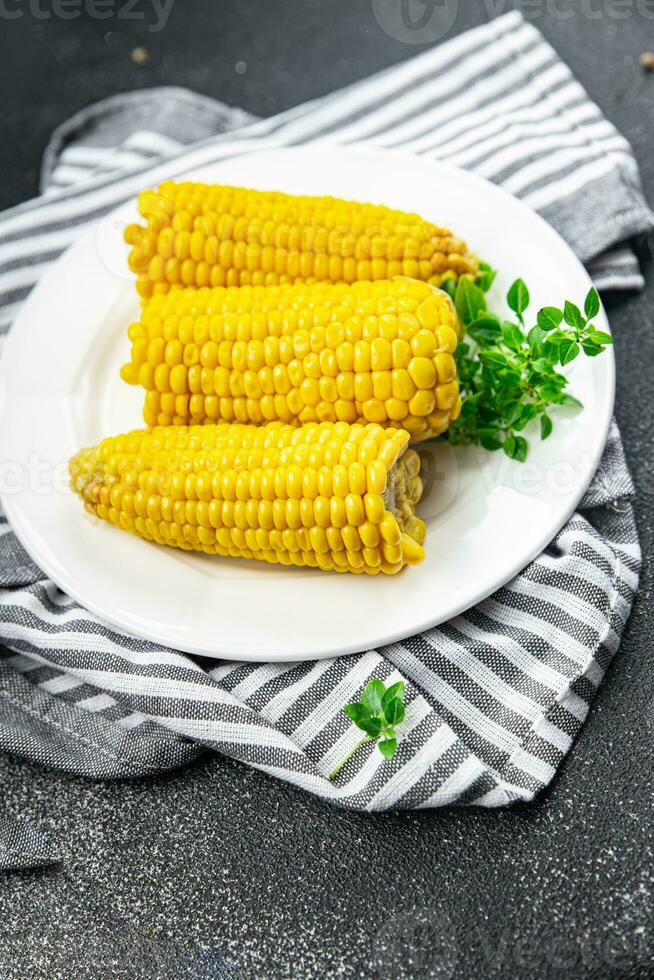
<point>495,697</point>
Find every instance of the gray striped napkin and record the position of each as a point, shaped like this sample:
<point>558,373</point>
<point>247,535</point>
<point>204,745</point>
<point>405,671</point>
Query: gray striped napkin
<point>495,697</point>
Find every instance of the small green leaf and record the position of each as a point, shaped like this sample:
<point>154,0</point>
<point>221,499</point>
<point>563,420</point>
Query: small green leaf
<point>516,448</point>
<point>545,426</point>
<point>485,276</point>
<point>448,286</point>
<point>394,691</point>
<point>512,335</point>
<point>522,449</point>
<point>549,318</point>
<point>573,316</point>
<point>592,304</point>
<point>569,401</point>
<point>555,338</point>
<point>357,713</point>
<point>518,297</point>
<point>488,440</point>
<point>371,726</point>
<point>529,412</point>
<point>535,337</point>
<point>388,747</point>
<point>493,358</point>
<point>485,329</point>
<point>372,696</point>
<point>591,349</point>
<point>600,337</point>
<point>470,301</point>
<point>550,351</point>
<point>542,365</point>
<point>568,350</point>
<point>394,712</point>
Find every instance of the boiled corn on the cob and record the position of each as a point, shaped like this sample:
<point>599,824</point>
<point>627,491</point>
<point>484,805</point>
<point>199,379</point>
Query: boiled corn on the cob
<point>368,352</point>
<point>213,235</point>
<point>330,495</point>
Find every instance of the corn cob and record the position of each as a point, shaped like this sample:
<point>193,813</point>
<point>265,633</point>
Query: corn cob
<point>329,495</point>
<point>213,235</point>
<point>368,352</point>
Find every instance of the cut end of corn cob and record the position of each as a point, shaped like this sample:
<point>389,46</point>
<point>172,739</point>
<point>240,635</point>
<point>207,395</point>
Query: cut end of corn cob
<point>214,235</point>
<point>332,496</point>
<point>368,352</point>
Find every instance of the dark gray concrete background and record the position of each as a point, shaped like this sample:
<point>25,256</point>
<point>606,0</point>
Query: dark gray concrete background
<point>164,877</point>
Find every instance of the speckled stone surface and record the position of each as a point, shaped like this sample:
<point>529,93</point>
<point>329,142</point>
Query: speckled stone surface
<point>219,871</point>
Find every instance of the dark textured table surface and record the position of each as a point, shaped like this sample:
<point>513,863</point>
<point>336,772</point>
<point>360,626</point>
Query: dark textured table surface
<point>165,877</point>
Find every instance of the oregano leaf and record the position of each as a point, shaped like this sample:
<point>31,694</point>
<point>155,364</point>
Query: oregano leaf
<point>388,747</point>
<point>549,318</point>
<point>600,337</point>
<point>518,297</point>
<point>512,335</point>
<point>470,301</point>
<point>592,304</point>
<point>372,696</point>
<point>485,276</point>
<point>394,711</point>
<point>394,691</point>
<point>573,316</point>
<point>357,712</point>
<point>568,350</point>
<point>371,726</point>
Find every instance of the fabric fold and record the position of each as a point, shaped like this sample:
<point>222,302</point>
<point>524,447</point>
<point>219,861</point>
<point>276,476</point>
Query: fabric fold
<point>23,847</point>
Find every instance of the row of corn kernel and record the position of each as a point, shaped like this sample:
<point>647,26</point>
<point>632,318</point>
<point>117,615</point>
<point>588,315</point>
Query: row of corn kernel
<point>316,546</point>
<point>316,444</point>
<point>421,414</point>
<point>187,200</point>
<point>258,268</point>
<point>184,368</point>
<point>219,239</point>
<point>389,317</point>
<point>372,297</point>
<point>227,515</point>
<point>329,443</point>
<point>357,562</point>
<point>292,482</point>
<point>350,512</point>
<point>358,345</point>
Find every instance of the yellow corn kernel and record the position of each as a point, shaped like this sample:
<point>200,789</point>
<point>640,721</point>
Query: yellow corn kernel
<point>445,366</point>
<point>446,395</point>
<point>369,534</point>
<point>424,343</point>
<point>422,403</point>
<point>374,507</point>
<point>402,385</point>
<point>397,409</point>
<point>422,372</point>
<point>390,530</point>
<point>412,552</point>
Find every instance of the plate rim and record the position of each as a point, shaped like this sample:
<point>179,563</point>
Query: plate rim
<point>245,651</point>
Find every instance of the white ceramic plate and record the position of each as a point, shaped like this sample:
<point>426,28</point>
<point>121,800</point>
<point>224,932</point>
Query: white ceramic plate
<point>487,517</point>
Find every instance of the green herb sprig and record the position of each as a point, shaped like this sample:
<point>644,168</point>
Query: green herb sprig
<point>376,713</point>
<point>508,371</point>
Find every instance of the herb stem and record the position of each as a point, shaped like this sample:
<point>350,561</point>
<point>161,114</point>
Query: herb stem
<point>334,773</point>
